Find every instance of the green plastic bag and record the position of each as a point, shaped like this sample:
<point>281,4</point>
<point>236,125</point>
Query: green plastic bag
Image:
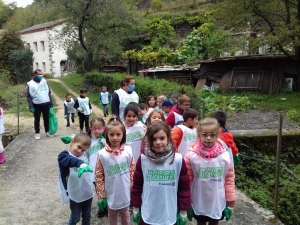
<point>52,122</point>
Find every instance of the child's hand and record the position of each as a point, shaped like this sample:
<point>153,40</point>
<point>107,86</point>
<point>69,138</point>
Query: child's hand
<point>236,159</point>
<point>228,213</point>
<point>80,110</point>
<point>66,117</point>
<point>180,220</point>
<point>190,214</point>
<point>102,204</point>
<point>83,168</point>
<point>32,110</point>
<point>136,215</point>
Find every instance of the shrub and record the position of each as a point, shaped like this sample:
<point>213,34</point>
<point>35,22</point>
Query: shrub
<point>47,75</point>
<point>148,86</point>
<point>293,115</point>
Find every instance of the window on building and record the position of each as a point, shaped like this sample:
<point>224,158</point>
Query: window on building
<point>43,66</point>
<point>36,65</point>
<point>42,46</point>
<point>249,78</point>
<point>35,47</point>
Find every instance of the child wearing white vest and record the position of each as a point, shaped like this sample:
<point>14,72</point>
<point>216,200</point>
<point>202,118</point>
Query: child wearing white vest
<point>115,167</point>
<point>104,98</point>
<point>160,192</point>
<point>2,157</point>
<point>185,135</point>
<point>84,108</point>
<point>97,127</point>
<point>69,109</point>
<point>135,130</point>
<point>211,176</point>
<point>75,184</point>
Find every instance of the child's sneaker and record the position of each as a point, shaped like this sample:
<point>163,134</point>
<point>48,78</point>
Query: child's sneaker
<point>73,120</point>
<point>49,135</point>
<point>68,125</point>
<point>37,136</point>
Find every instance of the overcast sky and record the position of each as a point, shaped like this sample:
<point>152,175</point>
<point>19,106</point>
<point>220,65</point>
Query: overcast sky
<point>20,3</point>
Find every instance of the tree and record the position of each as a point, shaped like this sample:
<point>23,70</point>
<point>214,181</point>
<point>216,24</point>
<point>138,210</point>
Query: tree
<point>6,11</point>
<point>9,42</point>
<point>33,14</point>
<point>202,43</point>
<point>277,20</point>
<point>22,61</point>
<point>99,24</point>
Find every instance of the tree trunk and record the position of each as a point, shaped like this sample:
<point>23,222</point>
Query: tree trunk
<point>89,62</point>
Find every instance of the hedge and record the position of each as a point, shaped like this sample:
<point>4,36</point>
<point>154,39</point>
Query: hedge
<point>144,86</point>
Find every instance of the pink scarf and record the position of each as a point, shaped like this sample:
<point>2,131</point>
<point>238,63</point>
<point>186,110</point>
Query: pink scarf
<point>208,152</point>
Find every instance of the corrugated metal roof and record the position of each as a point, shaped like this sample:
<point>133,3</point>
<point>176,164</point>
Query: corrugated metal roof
<point>243,57</point>
<point>41,26</point>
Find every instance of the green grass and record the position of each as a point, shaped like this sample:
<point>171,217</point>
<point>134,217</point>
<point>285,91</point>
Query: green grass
<point>58,89</point>
<point>9,93</point>
<point>75,82</point>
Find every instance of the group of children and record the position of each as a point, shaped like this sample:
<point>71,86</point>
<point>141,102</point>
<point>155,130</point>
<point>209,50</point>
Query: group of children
<point>161,161</point>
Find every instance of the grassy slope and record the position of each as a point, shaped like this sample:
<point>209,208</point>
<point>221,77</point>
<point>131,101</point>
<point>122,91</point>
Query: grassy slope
<point>75,82</point>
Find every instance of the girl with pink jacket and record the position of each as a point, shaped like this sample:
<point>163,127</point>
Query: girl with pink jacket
<point>211,176</point>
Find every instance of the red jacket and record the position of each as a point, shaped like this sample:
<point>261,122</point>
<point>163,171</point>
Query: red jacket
<point>226,136</point>
<point>183,194</point>
<point>171,117</point>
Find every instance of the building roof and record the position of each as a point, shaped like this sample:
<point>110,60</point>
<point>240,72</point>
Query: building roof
<point>42,26</point>
<point>244,57</point>
<point>169,68</point>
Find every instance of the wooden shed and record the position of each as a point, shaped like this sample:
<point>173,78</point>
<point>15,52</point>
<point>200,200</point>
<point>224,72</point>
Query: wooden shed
<point>256,73</point>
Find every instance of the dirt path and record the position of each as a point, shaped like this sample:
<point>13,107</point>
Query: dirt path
<point>96,110</point>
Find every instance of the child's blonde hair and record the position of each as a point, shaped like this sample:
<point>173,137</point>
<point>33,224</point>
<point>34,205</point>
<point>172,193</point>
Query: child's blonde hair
<point>148,121</point>
<point>208,121</point>
<point>161,97</point>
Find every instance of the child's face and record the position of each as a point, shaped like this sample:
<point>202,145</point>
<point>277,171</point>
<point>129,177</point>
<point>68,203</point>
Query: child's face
<point>208,135</point>
<point>155,118</point>
<point>68,98</point>
<point>160,141</point>
<point>115,136</point>
<point>151,102</point>
<point>142,112</point>
<point>83,94</point>
<point>77,148</point>
<point>130,118</point>
<point>191,123</point>
<point>104,89</point>
<point>159,103</point>
<point>97,129</point>
<point>167,109</point>
<point>183,105</point>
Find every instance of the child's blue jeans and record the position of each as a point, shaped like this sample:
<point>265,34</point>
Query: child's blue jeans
<point>82,209</point>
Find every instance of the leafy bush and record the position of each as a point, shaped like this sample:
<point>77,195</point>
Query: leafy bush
<point>22,61</point>
<point>256,178</point>
<point>147,86</point>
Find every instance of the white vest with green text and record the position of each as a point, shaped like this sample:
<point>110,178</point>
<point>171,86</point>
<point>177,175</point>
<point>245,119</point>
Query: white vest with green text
<point>134,137</point>
<point>208,187</point>
<point>84,104</point>
<point>160,190</point>
<point>125,98</point>
<point>117,178</point>
<point>39,92</point>
<point>188,138</point>
<point>80,189</point>
<point>70,106</point>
